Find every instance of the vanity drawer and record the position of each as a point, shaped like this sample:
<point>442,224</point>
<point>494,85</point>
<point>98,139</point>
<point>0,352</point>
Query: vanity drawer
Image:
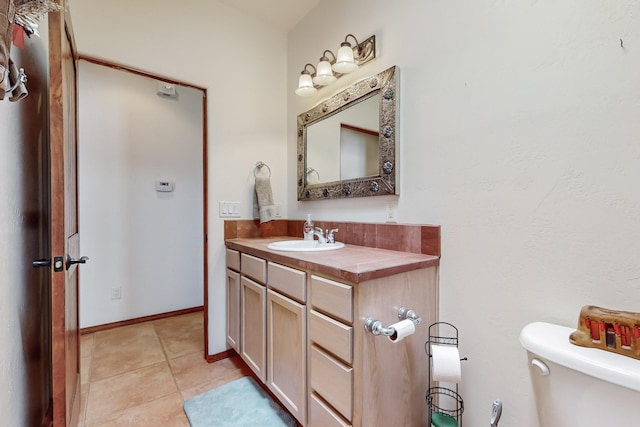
<point>288,281</point>
<point>333,336</point>
<point>321,415</point>
<point>253,267</point>
<point>333,298</point>
<point>333,381</point>
<point>233,259</point>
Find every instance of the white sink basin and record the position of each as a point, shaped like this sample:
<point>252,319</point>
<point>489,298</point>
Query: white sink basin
<point>304,246</point>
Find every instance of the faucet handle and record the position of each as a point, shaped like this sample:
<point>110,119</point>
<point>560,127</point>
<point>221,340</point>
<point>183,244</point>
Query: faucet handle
<point>330,235</point>
<point>320,233</point>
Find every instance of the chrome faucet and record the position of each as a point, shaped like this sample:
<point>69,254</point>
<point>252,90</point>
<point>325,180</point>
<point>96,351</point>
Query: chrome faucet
<point>330,235</point>
<point>317,231</point>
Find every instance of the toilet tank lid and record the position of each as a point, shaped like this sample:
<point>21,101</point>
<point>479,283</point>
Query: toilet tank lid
<point>551,342</point>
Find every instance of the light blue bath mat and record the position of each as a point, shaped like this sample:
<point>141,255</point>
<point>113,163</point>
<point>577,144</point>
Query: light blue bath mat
<point>240,403</point>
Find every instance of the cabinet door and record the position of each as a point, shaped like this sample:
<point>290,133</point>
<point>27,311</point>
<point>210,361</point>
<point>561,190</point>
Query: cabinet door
<point>253,326</point>
<point>233,309</point>
<point>286,355</point>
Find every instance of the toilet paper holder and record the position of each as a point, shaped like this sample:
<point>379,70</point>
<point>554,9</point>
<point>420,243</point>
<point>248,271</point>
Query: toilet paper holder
<point>377,328</point>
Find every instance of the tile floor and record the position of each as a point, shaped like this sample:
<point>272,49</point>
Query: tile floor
<point>140,375</point>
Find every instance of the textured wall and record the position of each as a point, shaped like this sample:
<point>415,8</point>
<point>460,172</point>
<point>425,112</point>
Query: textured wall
<point>24,296</point>
<point>520,137</point>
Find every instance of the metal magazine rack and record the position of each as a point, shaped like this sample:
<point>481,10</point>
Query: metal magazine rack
<point>445,404</point>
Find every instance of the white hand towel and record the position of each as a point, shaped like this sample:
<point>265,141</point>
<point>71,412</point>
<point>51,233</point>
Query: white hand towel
<point>264,195</point>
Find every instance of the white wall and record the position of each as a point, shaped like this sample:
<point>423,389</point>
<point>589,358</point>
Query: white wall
<point>520,136</point>
<point>147,243</point>
<point>242,63</point>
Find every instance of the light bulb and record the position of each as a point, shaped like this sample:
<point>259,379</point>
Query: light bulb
<point>344,61</point>
<point>324,73</point>
<point>305,85</point>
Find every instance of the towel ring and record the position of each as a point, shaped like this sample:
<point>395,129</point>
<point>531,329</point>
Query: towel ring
<point>259,166</point>
<point>312,170</point>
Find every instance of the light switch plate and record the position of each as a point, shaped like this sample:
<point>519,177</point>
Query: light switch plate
<point>229,209</point>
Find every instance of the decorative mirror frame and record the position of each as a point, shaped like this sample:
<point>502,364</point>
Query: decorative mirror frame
<point>384,183</point>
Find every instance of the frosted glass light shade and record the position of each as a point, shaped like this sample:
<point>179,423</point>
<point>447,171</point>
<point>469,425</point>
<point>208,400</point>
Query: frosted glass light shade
<point>305,86</point>
<point>344,61</point>
<point>324,73</point>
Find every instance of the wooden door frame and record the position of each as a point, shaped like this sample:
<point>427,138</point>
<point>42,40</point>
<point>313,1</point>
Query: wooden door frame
<point>205,204</point>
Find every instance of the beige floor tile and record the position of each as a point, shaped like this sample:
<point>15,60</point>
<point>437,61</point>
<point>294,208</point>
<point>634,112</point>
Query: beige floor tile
<point>124,349</point>
<point>121,392</point>
<point>165,411</point>
<point>86,345</point>
<point>192,371</point>
<point>176,324</point>
<point>124,335</point>
<point>188,342</point>
<point>228,370</point>
<point>85,369</point>
<point>127,380</point>
<point>84,395</point>
<point>181,335</point>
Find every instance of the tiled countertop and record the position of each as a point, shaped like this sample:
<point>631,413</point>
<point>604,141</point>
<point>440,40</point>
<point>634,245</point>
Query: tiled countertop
<point>352,263</point>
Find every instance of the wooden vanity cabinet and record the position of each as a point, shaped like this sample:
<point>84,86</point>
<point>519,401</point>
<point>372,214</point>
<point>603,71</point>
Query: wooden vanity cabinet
<point>287,338</point>
<point>302,333</point>
<point>357,378</point>
<point>233,299</point>
<point>331,352</point>
<point>253,299</point>
<point>267,325</point>
<point>252,335</point>
<point>233,309</point>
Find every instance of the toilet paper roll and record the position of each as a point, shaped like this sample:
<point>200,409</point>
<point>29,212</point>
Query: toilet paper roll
<point>445,362</point>
<point>403,329</point>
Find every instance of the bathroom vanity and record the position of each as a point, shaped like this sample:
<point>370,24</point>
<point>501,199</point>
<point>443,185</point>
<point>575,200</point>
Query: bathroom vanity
<point>297,319</point>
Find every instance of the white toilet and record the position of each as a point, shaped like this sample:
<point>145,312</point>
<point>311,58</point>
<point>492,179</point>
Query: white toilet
<point>578,386</point>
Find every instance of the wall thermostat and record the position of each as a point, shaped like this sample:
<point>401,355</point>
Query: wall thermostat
<point>164,186</point>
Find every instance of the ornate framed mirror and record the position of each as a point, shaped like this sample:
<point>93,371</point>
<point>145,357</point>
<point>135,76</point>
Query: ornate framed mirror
<point>347,144</point>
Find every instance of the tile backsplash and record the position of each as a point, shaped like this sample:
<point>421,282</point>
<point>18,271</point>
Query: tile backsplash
<point>419,239</point>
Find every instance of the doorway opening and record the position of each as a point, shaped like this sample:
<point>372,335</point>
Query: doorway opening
<point>142,196</point>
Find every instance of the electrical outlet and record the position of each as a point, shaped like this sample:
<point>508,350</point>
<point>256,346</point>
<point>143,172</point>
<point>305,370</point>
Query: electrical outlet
<point>391,212</point>
<point>116,293</point>
<point>278,212</point>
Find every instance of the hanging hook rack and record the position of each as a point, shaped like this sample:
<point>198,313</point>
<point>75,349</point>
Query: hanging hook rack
<point>259,166</point>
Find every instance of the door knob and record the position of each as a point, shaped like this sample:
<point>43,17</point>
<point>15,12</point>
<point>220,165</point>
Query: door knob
<point>41,263</point>
<point>81,260</point>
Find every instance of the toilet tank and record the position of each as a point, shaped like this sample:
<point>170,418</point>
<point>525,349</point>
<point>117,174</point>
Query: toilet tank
<point>579,386</point>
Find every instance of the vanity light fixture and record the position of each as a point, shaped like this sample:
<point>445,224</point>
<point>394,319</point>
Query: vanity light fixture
<point>328,70</point>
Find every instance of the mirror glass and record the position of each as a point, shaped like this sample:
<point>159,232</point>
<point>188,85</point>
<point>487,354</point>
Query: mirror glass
<point>347,144</point>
